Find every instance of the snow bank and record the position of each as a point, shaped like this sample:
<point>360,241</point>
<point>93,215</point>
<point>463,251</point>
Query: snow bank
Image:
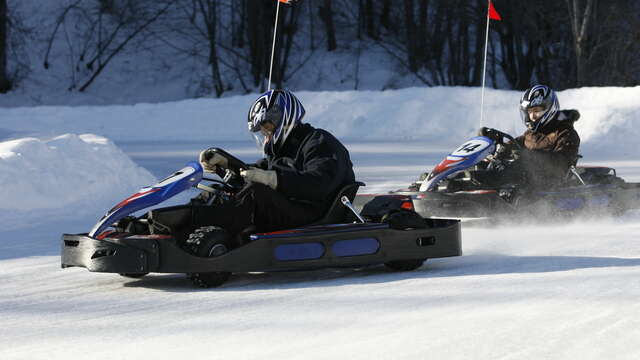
<point>440,115</point>
<point>88,171</point>
<point>71,173</point>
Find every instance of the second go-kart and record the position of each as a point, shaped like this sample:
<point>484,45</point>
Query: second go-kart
<point>454,189</point>
<point>402,240</point>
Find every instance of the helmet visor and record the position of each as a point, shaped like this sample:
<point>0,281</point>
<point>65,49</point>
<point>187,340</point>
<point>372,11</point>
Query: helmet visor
<point>259,119</point>
<point>531,113</point>
<point>264,135</point>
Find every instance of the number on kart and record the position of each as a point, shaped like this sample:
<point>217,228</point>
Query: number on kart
<point>468,147</point>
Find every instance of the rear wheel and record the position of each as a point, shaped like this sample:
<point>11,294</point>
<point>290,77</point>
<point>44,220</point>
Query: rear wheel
<point>400,219</point>
<point>209,241</point>
<point>405,265</point>
<point>133,275</point>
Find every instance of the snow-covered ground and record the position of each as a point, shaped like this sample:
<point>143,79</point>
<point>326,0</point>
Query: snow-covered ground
<point>520,291</point>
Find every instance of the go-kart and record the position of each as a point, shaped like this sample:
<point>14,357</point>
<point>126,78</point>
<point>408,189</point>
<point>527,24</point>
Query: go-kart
<point>455,189</point>
<point>403,241</point>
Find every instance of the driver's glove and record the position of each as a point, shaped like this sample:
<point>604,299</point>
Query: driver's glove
<point>266,177</point>
<point>497,165</point>
<point>210,160</point>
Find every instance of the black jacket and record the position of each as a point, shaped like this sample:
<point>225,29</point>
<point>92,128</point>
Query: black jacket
<point>312,166</point>
<point>549,152</point>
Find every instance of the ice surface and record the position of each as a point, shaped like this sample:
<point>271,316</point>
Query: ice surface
<point>525,291</point>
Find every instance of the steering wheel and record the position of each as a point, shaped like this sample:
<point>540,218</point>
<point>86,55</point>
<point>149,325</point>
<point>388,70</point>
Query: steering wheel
<point>233,163</point>
<point>498,160</point>
<point>231,180</point>
<point>499,136</point>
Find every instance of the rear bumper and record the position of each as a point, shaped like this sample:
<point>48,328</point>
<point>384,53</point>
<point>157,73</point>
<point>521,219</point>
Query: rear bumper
<point>435,204</point>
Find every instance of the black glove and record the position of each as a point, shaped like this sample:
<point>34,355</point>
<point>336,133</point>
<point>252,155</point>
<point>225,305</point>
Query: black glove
<point>497,165</point>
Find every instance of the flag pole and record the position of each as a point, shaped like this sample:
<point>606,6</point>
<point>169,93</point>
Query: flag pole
<point>273,45</point>
<point>484,65</point>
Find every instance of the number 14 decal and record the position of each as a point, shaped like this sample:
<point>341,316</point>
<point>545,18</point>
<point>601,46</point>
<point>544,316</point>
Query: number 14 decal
<point>468,147</point>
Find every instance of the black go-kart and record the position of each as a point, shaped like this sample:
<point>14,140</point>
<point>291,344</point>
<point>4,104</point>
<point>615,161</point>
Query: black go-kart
<point>457,188</point>
<point>402,240</point>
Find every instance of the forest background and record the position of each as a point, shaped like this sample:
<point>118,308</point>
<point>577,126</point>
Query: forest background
<point>196,48</point>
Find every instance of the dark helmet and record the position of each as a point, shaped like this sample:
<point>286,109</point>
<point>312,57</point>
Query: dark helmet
<point>539,95</point>
<point>282,109</point>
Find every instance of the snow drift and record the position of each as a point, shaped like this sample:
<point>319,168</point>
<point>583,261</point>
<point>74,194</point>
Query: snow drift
<point>438,115</point>
<point>73,173</point>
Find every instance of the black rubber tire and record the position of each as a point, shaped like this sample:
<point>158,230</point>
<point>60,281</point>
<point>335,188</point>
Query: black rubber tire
<point>208,241</point>
<point>133,275</point>
<point>405,265</point>
<point>401,219</point>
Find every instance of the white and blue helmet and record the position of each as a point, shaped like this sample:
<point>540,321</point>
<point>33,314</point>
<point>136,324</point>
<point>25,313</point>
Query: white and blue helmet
<point>539,95</point>
<point>282,109</point>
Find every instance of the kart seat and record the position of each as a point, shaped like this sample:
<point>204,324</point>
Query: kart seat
<point>338,213</point>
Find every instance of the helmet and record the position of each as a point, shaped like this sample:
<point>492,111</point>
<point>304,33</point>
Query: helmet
<point>539,95</point>
<point>279,107</point>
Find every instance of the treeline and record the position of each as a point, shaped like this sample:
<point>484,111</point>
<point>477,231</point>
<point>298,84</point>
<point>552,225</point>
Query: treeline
<point>563,43</point>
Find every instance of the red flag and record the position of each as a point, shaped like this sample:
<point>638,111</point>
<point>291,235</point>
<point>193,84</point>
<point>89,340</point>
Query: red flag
<point>493,14</point>
<point>285,1</point>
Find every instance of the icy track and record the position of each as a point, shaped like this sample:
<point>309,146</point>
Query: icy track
<point>523,291</point>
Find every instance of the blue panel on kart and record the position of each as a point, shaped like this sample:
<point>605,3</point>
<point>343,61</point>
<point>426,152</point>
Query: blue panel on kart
<point>355,247</point>
<point>603,200</point>
<point>569,204</point>
<point>305,251</point>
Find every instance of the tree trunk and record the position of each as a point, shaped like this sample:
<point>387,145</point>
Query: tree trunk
<point>211,17</point>
<point>5,83</point>
<point>258,37</point>
<point>411,36</point>
<point>385,15</point>
<point>579,15</point>
<point>326,14</point>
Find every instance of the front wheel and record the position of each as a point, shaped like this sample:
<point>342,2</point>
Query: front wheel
<point>209,241</point>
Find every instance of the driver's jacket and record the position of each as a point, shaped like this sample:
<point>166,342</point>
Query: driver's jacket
<point>549,153</point>
<point>312,166</point>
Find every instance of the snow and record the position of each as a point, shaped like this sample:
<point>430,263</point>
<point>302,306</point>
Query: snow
<point>439,115</point>
<point>552,291</point>
<point>63,173</point>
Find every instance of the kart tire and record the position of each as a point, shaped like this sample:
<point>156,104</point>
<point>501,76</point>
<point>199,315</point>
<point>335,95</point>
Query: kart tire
<point>209,241</point>
<point>133,275</point>
<point>405,265</point>
<point>401,219</point>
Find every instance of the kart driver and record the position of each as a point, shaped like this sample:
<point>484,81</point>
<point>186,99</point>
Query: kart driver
<point>294,185</point>
<point>549,146</point>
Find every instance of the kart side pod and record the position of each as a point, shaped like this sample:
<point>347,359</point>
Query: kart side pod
<point>297,249</point>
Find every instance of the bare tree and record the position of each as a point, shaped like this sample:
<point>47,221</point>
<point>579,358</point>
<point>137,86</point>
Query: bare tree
<point>580,12</point>
<point>411,29</point>
<point>259,18</point>
<point>5,83</point>
<point>103,30</point>
<point>207,11</point>
<point>326,14</point>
